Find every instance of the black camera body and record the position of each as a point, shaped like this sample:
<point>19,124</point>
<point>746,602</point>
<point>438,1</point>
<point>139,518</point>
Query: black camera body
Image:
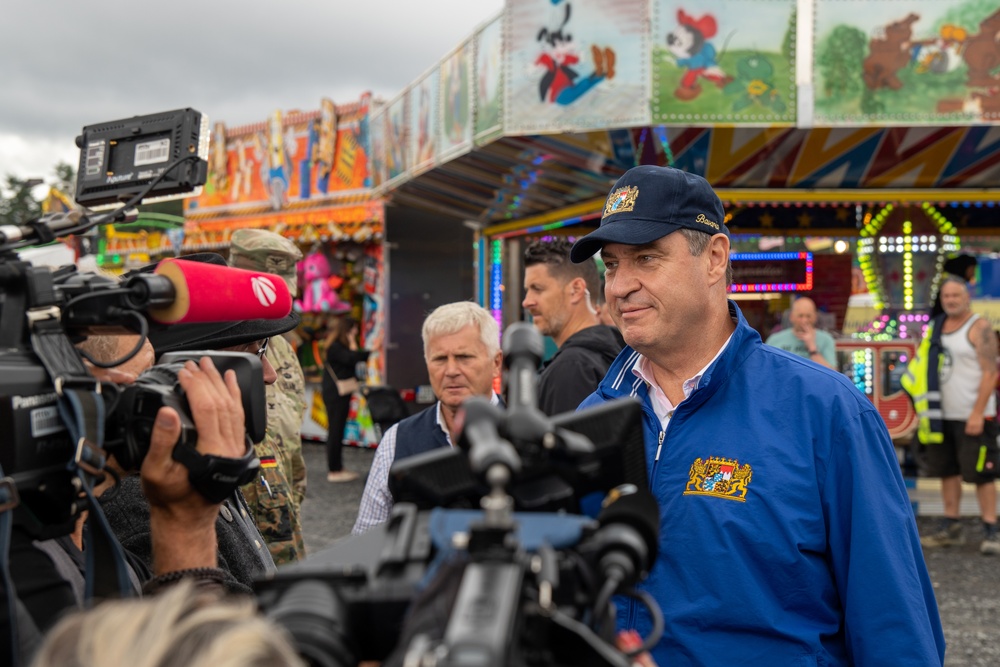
<point>39,447</point>
<point>133,412</point>
<point>489,586</point>
<point>44,311</point>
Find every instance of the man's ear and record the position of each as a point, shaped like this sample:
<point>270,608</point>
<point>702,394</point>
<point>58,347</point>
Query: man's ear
<point>577,290</point>
<point>718,258</point>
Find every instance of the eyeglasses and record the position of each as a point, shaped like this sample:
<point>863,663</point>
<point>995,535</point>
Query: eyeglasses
<point>253,348</point>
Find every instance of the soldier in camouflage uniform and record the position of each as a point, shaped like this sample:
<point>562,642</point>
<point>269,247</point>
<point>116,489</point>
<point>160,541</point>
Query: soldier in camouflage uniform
<point>286,405</point>
<point>276,495</point>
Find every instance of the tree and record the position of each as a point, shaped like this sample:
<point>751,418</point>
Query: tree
<point>840,59</point>
<point>19,205</point>
<point>65,179</point>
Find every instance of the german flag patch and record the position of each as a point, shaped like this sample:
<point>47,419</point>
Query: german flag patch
<point>268,462</point>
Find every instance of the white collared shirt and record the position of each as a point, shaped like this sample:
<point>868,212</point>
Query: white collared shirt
<point>662,407</point>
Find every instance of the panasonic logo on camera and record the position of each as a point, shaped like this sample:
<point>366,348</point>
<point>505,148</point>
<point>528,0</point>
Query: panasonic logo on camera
<point>22,402</point>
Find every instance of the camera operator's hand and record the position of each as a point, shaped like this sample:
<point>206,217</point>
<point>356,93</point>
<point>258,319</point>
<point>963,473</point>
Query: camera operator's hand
<point>182,521</point>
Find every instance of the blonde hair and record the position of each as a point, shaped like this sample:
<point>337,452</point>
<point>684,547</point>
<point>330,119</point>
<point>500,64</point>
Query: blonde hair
<point>180,628</point>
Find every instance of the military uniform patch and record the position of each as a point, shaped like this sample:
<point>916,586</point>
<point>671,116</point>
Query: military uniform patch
<point>719,477</point>
<point>621,200</point>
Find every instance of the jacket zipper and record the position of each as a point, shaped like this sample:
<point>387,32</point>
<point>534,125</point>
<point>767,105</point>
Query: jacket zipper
<point>652,476</point>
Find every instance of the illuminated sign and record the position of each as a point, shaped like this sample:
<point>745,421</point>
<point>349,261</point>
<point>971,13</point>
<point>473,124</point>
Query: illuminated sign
<point>772,272</point>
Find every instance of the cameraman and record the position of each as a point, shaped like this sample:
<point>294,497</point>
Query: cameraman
<point>181,520</point>
<point>242,552</point>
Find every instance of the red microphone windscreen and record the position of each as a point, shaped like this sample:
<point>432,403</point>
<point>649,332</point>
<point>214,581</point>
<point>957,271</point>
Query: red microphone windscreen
<point>212,293</point>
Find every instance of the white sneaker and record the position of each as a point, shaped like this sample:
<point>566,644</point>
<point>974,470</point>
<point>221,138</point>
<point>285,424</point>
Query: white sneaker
<point>990,546</point>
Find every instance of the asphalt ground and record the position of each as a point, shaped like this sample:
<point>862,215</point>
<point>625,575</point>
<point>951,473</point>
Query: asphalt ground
<point>966,583</point>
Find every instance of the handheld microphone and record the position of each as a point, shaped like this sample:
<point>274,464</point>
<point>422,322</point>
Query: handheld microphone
<point>627,541</point>
<point>523,349</point>
<point>205,292</point>
<point>482,440</point>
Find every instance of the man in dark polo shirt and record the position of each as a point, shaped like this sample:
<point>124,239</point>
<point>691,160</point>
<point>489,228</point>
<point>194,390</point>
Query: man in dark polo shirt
<point>462,351</point>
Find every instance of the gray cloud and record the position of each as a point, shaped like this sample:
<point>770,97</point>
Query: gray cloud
<point>71,64</point>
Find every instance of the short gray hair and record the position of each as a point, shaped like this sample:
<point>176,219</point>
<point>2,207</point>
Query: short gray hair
<point>453,317</point>
<point>956,280</point>
<point>697,242</point>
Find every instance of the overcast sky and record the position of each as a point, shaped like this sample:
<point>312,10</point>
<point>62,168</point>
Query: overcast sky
<point>70,64</point>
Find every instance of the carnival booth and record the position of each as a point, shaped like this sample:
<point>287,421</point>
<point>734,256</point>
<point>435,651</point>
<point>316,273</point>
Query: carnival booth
<point>305,175</point>
<point>809,119</point>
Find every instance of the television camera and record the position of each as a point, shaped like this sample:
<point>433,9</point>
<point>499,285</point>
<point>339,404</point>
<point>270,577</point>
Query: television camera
<point>523,580</point>
<point>60,422</point>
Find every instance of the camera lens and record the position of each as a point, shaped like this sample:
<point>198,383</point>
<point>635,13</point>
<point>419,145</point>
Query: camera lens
<point>316,617</point>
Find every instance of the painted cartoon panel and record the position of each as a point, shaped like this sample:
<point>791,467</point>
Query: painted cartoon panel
<point>396,127</point>
<point>456,102</point>
<point>323,145</point>
<point>575,65</point>
<point>489,81</point>
<point>423,121</point>
<point>351,169</point>
<point>723,61</point>
<point>289,157</point>
<point>379,149</point>
<point>914,62</point>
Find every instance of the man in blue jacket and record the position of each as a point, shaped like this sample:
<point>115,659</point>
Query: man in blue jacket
<point>786,534</point>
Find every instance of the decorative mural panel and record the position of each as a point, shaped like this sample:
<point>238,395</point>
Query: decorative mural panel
<point>906,63</point>
<point>575,65</point>
<point>489,81</point>
<point>287,159</point>
<point>723,61</point>
<point>396,127</point>
<point>377,132</point>
<point>423,120</point>
<point>830,158</point>
<point>456,103</point>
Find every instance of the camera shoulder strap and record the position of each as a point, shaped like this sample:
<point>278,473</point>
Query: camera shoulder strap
<point>82,410</point>
<point>8,501</point>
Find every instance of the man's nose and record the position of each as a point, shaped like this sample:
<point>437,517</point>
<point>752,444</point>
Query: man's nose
<point>621,284</point>
<point>270,375</point>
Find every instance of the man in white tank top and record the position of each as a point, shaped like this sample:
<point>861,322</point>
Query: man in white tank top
<point>968,377</point>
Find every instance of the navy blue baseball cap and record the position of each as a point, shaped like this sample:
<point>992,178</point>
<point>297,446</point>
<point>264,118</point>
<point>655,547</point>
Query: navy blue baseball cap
<point>649,202</point>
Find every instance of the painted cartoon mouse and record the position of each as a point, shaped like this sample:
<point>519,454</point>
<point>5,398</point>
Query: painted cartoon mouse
<point>561,83</point>
<point>689,45</point>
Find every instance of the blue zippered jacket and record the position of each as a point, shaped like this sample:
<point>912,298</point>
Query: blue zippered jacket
<point>786,534</point>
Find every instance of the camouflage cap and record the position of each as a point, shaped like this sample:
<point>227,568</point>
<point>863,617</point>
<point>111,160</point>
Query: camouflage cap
<point>262,250</point>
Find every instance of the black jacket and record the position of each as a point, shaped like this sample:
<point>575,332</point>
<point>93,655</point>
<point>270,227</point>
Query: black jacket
<point>576,369</point>
<point>242,552</point>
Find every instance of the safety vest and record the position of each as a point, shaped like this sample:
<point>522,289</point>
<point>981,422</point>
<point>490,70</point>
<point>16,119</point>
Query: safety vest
<point>924,389</point>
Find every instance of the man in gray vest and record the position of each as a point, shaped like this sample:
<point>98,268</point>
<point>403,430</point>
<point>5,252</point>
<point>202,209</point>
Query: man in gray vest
<point>967,380</point>
<point>462,351</point>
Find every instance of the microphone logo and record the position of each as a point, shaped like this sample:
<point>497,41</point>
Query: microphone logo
<point>264,290</point>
